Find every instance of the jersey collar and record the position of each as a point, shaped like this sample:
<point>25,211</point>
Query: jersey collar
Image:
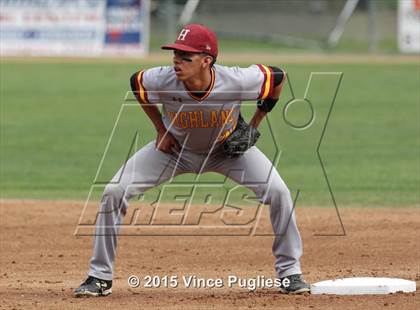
<point>212,82</point>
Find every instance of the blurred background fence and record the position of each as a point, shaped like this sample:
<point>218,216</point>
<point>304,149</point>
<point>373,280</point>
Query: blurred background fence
<point>294,23</point>
<point>338,25</point>
<point>134,27</point>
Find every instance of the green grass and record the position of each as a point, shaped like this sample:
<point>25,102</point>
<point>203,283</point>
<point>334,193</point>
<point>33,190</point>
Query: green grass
<point>56,120</point>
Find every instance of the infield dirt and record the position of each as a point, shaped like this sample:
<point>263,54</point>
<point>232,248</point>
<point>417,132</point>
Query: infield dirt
<point>43,261</point>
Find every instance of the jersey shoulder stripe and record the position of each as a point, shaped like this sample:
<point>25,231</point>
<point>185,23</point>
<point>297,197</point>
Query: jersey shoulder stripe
<point>141,88</point>
<point>146,84</point>
<point>268,83</point>
<point>137,87</point>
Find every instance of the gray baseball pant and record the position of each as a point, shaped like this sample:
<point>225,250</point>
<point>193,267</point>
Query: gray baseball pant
<point>149,167</point>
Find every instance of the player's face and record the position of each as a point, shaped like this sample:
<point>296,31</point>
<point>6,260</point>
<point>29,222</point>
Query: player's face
<point>188,65</point>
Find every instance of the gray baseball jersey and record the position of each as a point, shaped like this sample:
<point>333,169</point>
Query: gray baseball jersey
<point>199,122</point>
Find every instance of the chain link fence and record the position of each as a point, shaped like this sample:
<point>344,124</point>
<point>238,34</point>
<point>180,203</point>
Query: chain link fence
<point>287,24</point>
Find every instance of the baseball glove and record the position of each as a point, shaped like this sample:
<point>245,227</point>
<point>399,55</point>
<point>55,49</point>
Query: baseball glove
<point>241,139</point>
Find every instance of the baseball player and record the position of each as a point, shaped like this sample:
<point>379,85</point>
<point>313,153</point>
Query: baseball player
<point>200,130</point>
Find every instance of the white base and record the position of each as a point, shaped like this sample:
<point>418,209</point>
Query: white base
<point>363,286</point>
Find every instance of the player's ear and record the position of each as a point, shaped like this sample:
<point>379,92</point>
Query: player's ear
<point>207,61</point>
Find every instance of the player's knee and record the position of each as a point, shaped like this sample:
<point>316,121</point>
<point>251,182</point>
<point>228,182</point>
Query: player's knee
<point>112,197</point>
<point>278,193</point>
<point>114,191</point>
<point>284,191</point>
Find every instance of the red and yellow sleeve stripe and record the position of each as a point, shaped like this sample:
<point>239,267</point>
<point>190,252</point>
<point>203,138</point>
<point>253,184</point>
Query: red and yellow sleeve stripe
<point>268,83</point>
<point>142,93</point>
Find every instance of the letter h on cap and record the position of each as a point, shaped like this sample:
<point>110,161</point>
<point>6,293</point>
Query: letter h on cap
<point>183,34</point>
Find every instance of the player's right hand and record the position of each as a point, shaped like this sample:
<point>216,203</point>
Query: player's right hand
<point>166,142</point>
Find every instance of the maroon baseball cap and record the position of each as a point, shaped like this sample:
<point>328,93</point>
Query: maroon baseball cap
<point>195,38</point>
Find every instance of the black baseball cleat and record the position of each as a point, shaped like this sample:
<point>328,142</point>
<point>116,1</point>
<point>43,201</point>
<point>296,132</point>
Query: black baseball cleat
<point>94,287</point>
<point>297,285</point>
